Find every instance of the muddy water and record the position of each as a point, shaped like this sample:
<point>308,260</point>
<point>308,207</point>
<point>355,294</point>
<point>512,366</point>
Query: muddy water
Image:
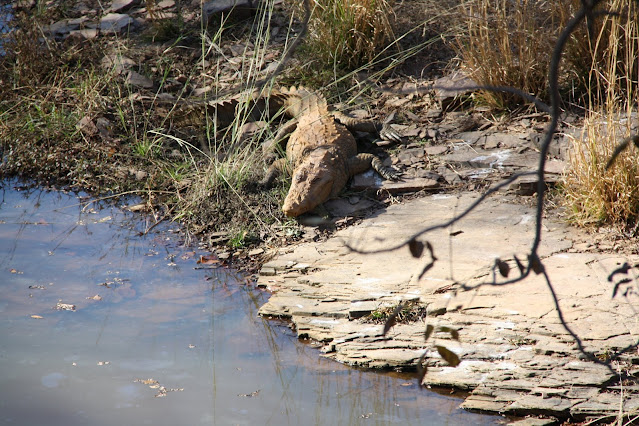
<point>101,326</point>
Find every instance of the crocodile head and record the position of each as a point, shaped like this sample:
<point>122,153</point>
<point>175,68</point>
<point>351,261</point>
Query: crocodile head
<point>314,181</point>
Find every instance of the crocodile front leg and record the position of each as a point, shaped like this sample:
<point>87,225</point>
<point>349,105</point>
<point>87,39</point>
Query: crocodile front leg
<point>362,162</point>
<point>280,165</point>
<point>272,147</point>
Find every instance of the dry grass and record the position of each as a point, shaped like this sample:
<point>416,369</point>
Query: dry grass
<point>593,194</point>
<point>349,33</point>
<point>508,44</point>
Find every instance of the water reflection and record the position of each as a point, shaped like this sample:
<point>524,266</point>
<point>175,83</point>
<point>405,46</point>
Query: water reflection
<point>152,340</point>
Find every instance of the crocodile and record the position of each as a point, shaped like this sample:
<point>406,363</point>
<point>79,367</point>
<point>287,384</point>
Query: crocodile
<point>320,148</point>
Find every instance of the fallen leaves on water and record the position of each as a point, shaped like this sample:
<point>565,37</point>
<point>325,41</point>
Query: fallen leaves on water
<point>64,306</point>
<point>154,384</point>
<point>140,207</point>
<point>146,381</point>
<point>188,255</point>
<point>209,259</point>
<point>36,317</point>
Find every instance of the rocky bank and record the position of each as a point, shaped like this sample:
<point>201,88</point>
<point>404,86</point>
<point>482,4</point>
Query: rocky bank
<point>517,357</point>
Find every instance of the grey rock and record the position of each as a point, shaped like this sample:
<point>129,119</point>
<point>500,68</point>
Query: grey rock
<point>236,9</point>
<point>115,23</point>
<point>373,182</point>
<point>121,5</point>
<point>516,356</point>
<point>65,26</point>
<point>532,421</point>
<point>138,80</point>
<point>449,90</point>
<point>119,63</point>
<point>341,207</point>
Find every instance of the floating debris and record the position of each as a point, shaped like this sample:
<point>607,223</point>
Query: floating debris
<point>64,306</point>
<point>154,384</point>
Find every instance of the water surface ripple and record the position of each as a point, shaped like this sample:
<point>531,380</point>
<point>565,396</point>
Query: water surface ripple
<point>154,340</point>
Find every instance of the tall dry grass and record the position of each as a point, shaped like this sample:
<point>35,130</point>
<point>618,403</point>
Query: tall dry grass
<point>594,194</point>
<point>509,43</point>
<point>349,33</point>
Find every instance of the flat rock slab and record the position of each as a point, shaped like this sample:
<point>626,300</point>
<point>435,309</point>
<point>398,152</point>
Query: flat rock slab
<point>371,181</point>
<point>517,357</point>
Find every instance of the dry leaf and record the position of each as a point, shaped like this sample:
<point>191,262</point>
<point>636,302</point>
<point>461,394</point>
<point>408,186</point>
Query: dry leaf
<point>503,267</point>
<point>416,248</point>
<point>450,357</point>
<point>392,319</point>
<point>210,259</point>
<point>428,332</point>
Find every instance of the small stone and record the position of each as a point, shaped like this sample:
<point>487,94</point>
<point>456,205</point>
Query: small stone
<point>65,26</point>
<point>115,23</point>
<point>267,271</point>
<point>64,307</point>
<point>117,62</point>
<point>165,4</point>
<point>85,34</point>
<point>256,252</point>
<point>86,126</point>
<point>436,149</point>
<point>450,89</point>
<point>532,421</point>
<point>233,9</point>
<point>120,5</point>
<point>138,80</point>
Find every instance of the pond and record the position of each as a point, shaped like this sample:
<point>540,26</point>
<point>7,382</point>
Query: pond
<point>104,326</point>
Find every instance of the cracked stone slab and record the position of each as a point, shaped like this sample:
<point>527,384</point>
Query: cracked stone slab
<point>516,356</point>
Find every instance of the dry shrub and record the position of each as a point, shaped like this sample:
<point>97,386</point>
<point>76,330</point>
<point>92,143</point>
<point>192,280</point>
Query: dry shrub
<point>593,194</point>
<point>509,43</point>
<point>349,33</point>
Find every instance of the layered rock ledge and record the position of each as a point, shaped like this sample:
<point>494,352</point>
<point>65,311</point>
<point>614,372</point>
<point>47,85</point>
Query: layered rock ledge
<point>517,357</point>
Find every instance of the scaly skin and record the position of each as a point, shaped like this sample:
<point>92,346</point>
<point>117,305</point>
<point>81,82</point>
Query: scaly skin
<point>321,150</point>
